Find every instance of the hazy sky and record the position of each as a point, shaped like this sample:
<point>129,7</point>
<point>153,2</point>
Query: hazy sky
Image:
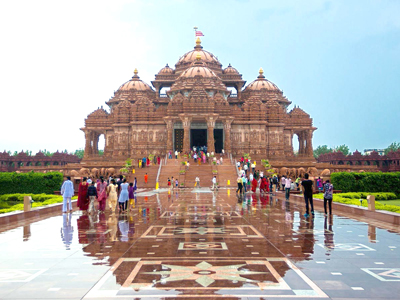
<point>60,60</point>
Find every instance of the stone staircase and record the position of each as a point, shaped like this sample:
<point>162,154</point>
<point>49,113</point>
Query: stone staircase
<point>172,169</point>
<point>226,172</point>
<point>204,172</point>
<point>139,174</point>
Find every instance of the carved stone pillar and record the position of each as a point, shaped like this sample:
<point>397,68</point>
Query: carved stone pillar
<point>186,121</point>
<point>227,131</point>
<point>95,142</point>
<point>301,143</point>
<point>170,132</point>
<point>210,132</point>
<point>88,146</point>
<point>309,148</point>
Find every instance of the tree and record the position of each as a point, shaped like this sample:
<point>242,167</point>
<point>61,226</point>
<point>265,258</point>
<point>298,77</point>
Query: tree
<point>392,147</point>
<point>322,150</point>
<point>343,148</point>
<point>79,153</point>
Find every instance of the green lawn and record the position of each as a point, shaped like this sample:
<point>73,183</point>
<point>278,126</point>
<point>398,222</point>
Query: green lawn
<point>390,202</point>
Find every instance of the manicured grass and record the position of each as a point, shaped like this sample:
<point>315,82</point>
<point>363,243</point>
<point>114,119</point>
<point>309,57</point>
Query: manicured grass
<point>390,202</point>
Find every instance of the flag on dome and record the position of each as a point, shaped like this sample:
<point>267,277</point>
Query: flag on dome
<point>199,33</point>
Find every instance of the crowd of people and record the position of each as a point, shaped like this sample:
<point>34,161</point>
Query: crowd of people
<point>119,194</point>
<point>199,156</point>
<point>250,179</point>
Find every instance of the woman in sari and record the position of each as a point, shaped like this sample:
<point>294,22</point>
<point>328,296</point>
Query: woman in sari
<point>83,200</point>
<point>254,184</point>
<point>102,193</point>
<point>112,195</point>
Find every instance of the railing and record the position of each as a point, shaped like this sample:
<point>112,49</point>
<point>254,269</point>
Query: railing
<point>237,169</point>
<point>159,170</point>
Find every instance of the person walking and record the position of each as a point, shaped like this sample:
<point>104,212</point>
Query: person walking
<point>197,182</point>
<point>146,177</point>
<point>328,196</point>
<point>176,183</point>
<point>67,191</point>
<point>83,200</point>
<point>320,184</point>
<point>131,194</point>
<point>102,193</point>
<point>240,185</point>
<point>123,196</point>
<point>135,185</point>
<point>307,185</point>
<point>288,186</point>
<point>169,183</point>
<point>283,183</point>
<point>112,195</point>
<point>245,168</point>
<point>244,181</point>
<point>92,194</point>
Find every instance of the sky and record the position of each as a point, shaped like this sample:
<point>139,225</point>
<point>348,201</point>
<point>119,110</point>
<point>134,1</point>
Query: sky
<point>60,60</point>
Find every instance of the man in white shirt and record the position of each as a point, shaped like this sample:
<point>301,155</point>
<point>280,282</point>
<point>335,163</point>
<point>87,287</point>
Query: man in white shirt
<point>245,167</point>
<point>288,185</point>
<point>261,174</point>
<point>67,191</point>
<point>253,167</point>
<point>214,182</point>
<point>176,154</point>
<point>283,183</point>
<point>197,180</point>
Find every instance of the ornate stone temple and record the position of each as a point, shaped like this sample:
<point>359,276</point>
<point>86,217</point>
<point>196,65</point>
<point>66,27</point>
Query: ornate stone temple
<point>195,104</point>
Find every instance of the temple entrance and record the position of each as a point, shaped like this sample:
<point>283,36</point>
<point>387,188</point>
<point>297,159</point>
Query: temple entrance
<point>198,138</point>
<point>219,140</point>
<point>178,138</point>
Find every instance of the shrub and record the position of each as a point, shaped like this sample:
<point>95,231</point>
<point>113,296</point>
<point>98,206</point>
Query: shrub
<point>39,200</point>
<point>367,182</point>
<point>31,182</point>
<point>354,199</point>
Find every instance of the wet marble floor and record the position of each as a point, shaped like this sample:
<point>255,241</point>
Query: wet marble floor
<point>200,244</point>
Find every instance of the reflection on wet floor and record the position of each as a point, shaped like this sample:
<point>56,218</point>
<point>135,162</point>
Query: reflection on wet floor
<point>204,245</point>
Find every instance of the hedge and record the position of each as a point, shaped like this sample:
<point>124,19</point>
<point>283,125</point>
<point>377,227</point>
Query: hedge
<point>39,200</point>
<point>35,183</point>
<point>367,182</point>
<point>354,199</point>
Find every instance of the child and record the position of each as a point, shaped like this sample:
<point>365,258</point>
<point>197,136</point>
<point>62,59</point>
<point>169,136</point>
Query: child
<point>131,191</point>
<point>169,183</point>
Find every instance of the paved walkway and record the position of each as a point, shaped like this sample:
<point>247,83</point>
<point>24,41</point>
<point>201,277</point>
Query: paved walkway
<point>200,245</point>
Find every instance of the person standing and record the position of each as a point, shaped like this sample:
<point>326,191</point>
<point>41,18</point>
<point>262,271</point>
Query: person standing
<point>102,193</point>
<point>197,182</point>
<point>307,185</point>
<point>123,196</point>
<point>288,186</point>
<point>67,191</point>
<point>245,167</point>
<point>135,185</point>
<point>83,201</point>
<point>176,154</point>
<point>92,194</point>
<point>319,184</point>
<point>176,183</point>
<point>112,195</point>
<point>328,196</point>
<point>146,177</point>
<point>214,183</point>
<point>169,183</point>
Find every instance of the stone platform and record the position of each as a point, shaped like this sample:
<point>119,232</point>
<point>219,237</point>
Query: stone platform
<point>200,244</point>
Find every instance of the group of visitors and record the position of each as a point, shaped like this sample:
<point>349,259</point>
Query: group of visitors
<point>199,156</point>
<point>250,179</point>
<point>114,190</point>
<point>147,161</point>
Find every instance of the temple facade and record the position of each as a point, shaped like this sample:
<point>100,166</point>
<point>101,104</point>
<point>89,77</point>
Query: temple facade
<point>198,103</point>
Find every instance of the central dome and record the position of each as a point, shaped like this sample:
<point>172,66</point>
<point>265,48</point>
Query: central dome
<point>209,59</point>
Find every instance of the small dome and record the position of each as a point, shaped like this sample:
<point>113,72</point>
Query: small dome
<point>135,84</point>
<point>261,83</point>
<point>198,68</point>
<point>166,70</point>
<point>230,70</point>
